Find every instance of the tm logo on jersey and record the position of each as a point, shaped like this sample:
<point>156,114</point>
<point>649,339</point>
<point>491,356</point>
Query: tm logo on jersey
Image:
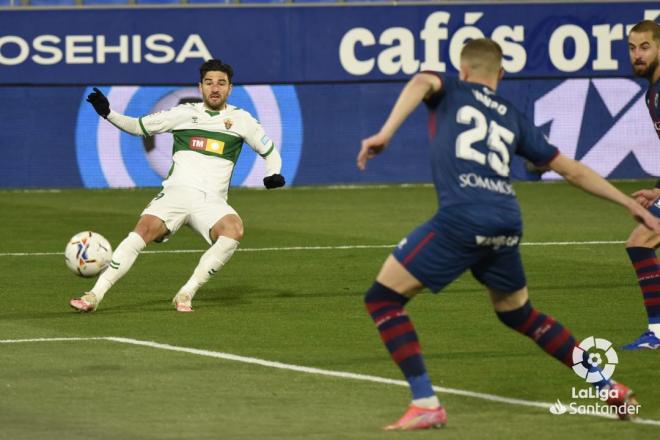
<point>204,144</point>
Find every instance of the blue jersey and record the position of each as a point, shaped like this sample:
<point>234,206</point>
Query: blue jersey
<point>474,134</point>
<point>652,98</point>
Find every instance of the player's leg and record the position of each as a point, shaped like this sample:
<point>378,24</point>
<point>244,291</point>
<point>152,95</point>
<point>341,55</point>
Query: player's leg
<point>502,272</point>
<point>640,246</point>
<point>164,215</point>
<point>385,302</point>
<point>148,229</point>
<point>504,276</point>
<point>515,311</point>
<point>425,258</point>
<point>224,235</point>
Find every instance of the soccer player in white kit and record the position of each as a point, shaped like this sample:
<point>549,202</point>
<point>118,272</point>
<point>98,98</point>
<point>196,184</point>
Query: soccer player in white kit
<point>208,137</point>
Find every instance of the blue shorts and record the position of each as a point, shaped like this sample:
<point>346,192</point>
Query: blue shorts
<point>442,249</point>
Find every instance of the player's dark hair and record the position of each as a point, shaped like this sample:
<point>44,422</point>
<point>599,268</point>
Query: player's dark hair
<point>215,65</point>
<point>648,26</point>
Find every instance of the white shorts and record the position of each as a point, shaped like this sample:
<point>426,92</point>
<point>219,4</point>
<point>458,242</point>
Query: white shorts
<point>177,205</point>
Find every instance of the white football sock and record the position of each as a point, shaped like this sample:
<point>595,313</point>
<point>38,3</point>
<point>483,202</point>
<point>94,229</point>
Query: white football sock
<point>212,260</point>
<point>427,402</point>
<point>122,259</point>
<point>655,328</point>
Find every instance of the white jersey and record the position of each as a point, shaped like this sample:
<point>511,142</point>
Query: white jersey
<point>206,143</point>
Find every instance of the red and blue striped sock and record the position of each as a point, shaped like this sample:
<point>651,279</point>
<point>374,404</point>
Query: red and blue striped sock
<point>398,334</point>
<point>548,333</point>
<point>647,268</point>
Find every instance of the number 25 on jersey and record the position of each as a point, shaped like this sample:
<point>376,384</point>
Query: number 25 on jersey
<point>496,136</point>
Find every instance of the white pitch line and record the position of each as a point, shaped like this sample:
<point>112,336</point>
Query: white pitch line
<point>19,341</point>
<point>197,251</point>
<point>308,248</point>
<point>316,371</point>
<point>30,254</point>
<point>319,371</point>
<point>569,243</point>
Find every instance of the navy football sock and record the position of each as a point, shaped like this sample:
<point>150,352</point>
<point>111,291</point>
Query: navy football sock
<point>398,334</point>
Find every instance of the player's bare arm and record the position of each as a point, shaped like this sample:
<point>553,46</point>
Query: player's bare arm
<point>584,177</point>
<point>420,87</point>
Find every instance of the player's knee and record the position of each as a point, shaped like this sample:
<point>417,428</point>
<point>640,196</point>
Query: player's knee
<point>230,226</point>
<point>640,241</point>
<point>643,237</point>
<point>517,317</point>
<point>150,228</point>
<point>235,231</point>
<point>379,293</point>
<point>633,240</point>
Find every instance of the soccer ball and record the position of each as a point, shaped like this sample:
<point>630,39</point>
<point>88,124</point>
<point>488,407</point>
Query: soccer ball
<point>87,254</point>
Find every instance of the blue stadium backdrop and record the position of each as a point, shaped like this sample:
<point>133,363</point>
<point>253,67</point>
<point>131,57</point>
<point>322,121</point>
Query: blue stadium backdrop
<point>318,79</point>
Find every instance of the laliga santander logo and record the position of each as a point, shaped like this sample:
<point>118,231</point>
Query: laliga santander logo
<point>558,408</point>
<point>594,360</point>
<point>600,357</point>
<point>108,157</point>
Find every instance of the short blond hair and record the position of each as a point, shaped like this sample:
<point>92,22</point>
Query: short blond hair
<point>482,55</point>
<point>648,26</point>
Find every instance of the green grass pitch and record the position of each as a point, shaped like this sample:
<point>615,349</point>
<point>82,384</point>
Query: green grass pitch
<point>278,300</point>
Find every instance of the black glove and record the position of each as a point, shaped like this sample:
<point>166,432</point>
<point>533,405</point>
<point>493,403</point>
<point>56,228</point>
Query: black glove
<point>274,181</point>
<point>99,102</point>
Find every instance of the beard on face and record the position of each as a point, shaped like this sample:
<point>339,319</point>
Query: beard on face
<point>645,72</point>
<point>212,106</point>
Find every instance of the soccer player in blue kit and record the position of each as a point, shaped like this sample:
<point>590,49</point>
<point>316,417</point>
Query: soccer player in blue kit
<point>474,133</point>
<point>644,51</point>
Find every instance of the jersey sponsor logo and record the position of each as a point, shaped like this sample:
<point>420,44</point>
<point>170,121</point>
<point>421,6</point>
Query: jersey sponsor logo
<point>197,143</point>
<point>497,241</point>
<point>473,180</point>
<point>109,159</point>
<point>214,146</point>
<point>203,144</point>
